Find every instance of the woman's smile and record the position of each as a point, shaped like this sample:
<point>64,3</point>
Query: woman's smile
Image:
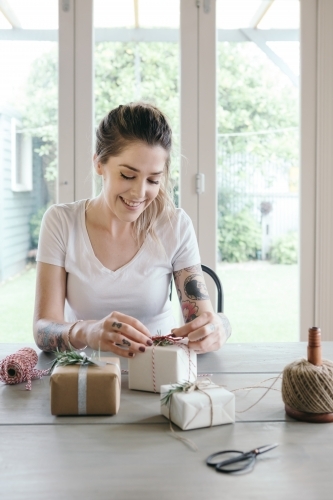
<point>132,205</point>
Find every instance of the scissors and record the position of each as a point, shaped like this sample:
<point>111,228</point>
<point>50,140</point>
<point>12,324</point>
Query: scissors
<point>231,461</point>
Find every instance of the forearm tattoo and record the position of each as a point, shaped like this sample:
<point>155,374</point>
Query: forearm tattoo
<point>51,337</point>
<point>193,269</point>
<point>226,324</point>
<point>194,288</point>
<point>176,276</point>
<point>189,310</point>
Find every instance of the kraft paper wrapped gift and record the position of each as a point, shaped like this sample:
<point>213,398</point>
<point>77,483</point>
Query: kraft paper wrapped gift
<point>159,365</point>
<point>86,389</point>
<point>192,410</point>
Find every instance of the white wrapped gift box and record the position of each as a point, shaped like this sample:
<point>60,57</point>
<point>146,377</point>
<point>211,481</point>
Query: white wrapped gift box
<point>192,410</point>
<point>160,365</point>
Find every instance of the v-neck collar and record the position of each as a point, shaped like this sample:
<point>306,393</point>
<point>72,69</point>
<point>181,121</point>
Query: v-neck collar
<point>91,250</point>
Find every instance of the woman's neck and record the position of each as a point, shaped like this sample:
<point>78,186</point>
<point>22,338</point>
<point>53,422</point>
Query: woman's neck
<point>99,215</point>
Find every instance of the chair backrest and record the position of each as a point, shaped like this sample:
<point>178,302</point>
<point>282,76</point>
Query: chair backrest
<point>216,279</point>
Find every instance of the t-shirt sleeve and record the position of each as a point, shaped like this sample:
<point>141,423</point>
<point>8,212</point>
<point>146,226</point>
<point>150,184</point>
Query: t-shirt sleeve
<point>187,253</point>
<point>51,244</point>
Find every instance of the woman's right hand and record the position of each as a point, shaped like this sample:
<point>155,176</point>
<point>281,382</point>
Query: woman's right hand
<point>118,333</point>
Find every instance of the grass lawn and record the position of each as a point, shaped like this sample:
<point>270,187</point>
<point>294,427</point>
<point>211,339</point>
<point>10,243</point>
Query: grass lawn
<point>16,307</point>
<point>260,299</point>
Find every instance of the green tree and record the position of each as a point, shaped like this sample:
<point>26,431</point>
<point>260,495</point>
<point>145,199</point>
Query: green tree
<point>254,96</point>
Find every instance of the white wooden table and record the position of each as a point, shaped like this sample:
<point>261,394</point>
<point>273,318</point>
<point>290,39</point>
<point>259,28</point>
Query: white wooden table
<point>132,454</point>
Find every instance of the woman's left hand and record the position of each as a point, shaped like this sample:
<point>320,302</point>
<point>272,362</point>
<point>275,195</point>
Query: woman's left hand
<point>208,332</point>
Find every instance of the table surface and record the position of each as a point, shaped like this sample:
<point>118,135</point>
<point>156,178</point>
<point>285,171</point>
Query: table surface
<point>133,455</point>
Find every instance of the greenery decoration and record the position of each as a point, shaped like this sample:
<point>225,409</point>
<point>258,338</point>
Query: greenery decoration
<point>70,357</point>
<point>185,387</point>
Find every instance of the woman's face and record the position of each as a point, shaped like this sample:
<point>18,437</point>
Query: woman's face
<point>131,181</point>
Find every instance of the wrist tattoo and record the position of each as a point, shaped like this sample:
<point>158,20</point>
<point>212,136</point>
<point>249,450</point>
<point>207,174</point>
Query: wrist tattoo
<point>50,338</point>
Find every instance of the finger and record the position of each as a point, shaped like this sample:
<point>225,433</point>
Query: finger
<point>118,317</point>
<point>112,325</point>
<point>126,343</point>
<point>202,332</point>
<point>198,322</point>
<point>118,351</point>
<point>207,344</point>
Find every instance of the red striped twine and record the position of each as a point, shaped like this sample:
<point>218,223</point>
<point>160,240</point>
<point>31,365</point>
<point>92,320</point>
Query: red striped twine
<point>19,367</point>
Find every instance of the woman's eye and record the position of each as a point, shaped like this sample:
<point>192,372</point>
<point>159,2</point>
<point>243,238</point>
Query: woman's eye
<point>125,177</point>
<point>153,182</point>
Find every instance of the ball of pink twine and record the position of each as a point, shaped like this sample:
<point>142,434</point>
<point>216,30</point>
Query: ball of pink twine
<point>19,367</point>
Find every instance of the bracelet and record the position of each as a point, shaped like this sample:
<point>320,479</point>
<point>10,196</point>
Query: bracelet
<point>68,337</point>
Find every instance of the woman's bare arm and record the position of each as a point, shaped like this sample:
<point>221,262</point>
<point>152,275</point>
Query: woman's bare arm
<point>50,329</point>
<point>117,332</point>
<point>206,330</point>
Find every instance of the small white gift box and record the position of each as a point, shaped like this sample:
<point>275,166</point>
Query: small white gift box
<point>160,365</point>
<point>212,405</point>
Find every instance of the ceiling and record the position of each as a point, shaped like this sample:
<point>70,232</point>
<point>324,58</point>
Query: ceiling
<point>273,25</point>
<point>231,14</point>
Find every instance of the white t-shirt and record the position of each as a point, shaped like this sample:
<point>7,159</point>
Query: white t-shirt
<point>140,288</point>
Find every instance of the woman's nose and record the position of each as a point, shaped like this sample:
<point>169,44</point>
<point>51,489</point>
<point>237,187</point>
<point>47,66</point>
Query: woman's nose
<point>139,189</point>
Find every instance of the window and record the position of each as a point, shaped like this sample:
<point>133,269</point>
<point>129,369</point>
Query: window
<point>21,158</point>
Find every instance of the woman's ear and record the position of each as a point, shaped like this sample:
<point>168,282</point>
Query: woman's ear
<point>97,165</point>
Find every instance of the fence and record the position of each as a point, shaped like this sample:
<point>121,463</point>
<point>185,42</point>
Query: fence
<point>268,189</point>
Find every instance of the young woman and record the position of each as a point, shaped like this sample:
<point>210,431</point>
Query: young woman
<point>104,264</point>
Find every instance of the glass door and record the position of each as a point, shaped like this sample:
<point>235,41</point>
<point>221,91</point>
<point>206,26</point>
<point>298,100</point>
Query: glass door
<point>28,152</point>
<point>137,58</point>
<point>258,167</point>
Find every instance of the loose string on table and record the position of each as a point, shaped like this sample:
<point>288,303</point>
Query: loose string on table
<point>20,367</point>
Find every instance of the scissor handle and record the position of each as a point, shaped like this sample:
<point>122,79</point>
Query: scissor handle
<point>248,457</point>
<point>211,463</point>
<point>223,465</point>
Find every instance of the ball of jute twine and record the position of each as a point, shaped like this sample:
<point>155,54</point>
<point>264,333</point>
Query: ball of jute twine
<point>307,387</point>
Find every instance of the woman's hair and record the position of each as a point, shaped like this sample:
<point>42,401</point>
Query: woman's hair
<point>133,123</point>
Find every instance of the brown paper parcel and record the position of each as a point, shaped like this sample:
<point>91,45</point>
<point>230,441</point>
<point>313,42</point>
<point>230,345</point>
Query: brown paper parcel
<point>86,389</point>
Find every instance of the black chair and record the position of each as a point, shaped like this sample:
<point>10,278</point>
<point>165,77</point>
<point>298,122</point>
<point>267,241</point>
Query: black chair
<point>216,279</point>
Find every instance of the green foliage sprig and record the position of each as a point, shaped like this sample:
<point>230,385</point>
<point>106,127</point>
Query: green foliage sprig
<point>185,387</point>
<point>72,357</point>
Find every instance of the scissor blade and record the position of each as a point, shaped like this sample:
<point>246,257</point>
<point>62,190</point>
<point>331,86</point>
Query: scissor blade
<point>267,447</point>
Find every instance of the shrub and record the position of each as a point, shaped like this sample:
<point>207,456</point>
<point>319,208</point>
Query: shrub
<point>35,223</point>
<point>285,249</point>
<point>240,237</point>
